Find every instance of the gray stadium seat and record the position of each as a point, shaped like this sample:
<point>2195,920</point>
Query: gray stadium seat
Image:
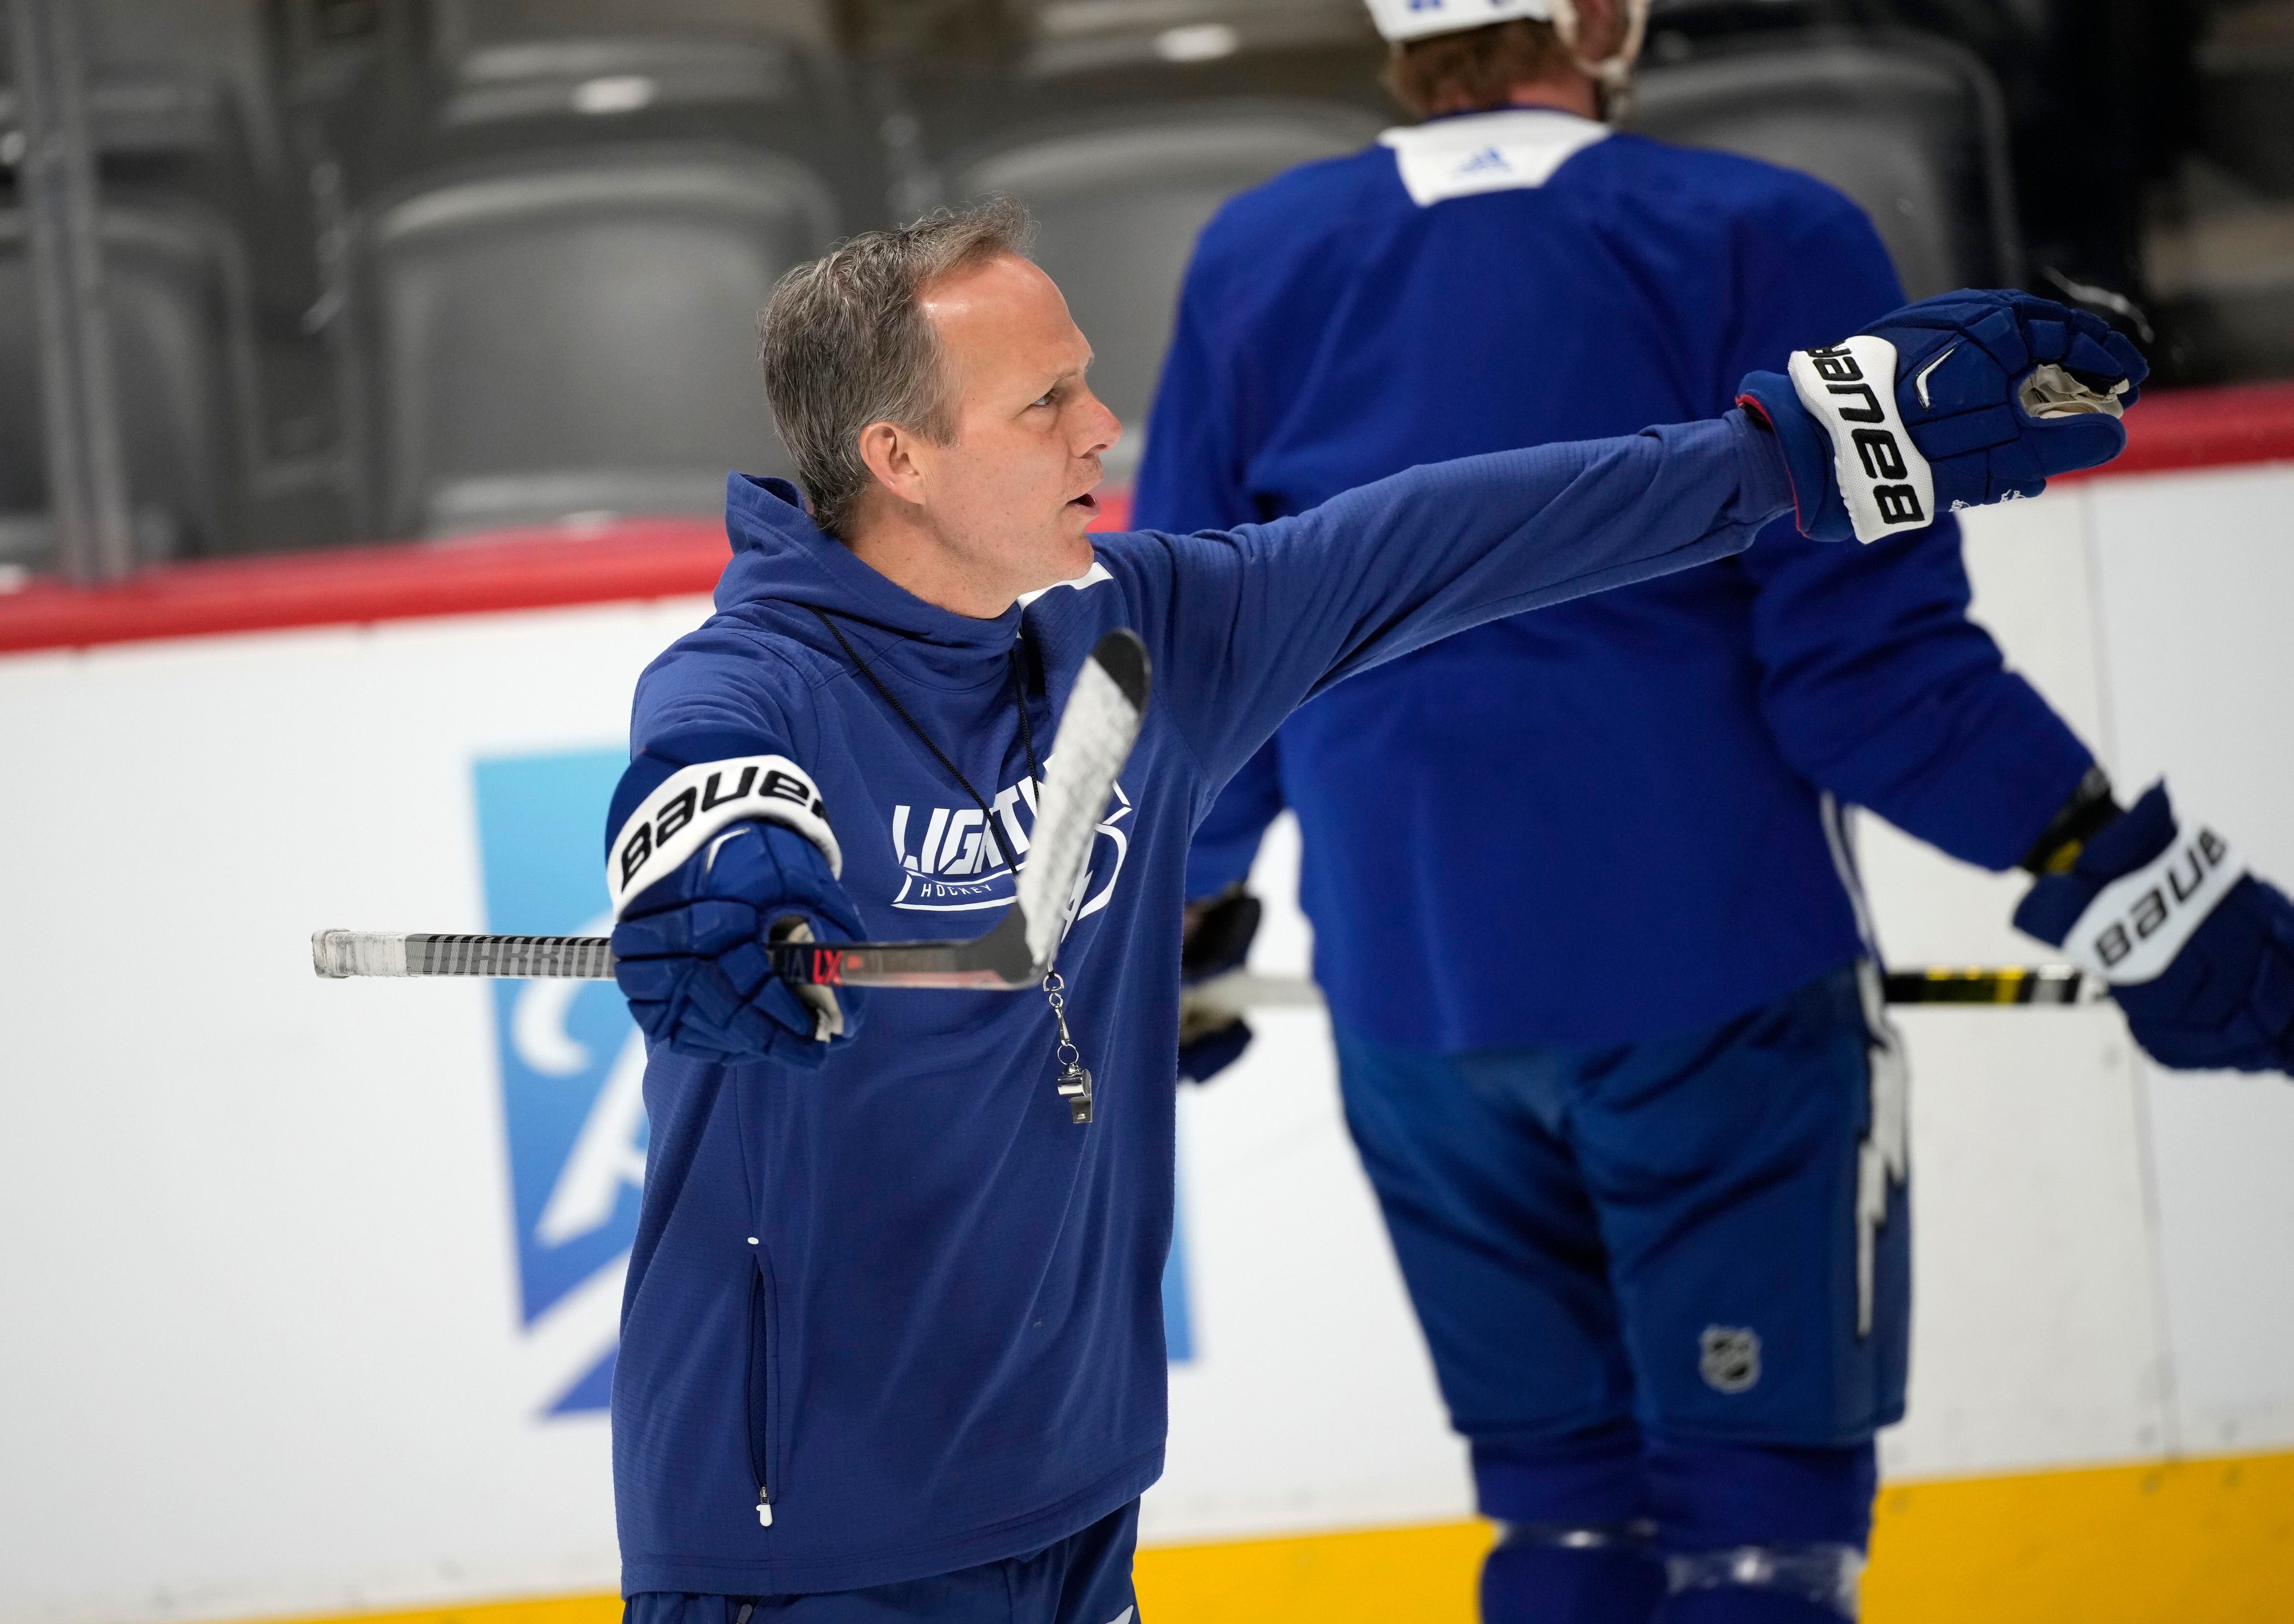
<point>507,77</point>
<point>463,26</point>
<point>1119,205</point>
<point>597,78</point>
<point>1065,36</point>
<point>537,59</point>
<point>175,292</point>
<point>571,333</point>
<point>1912,128</point>
<point>174,78</point>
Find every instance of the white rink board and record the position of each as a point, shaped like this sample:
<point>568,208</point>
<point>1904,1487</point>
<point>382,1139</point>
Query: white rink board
<point>264,1327</point>
<point>263,1283</point>
<point>2202,689</point>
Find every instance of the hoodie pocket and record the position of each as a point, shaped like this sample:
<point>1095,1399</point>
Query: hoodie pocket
<point>762,1389</point>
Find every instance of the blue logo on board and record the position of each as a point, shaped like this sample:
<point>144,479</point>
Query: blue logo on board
<point>572,1070</point>
<point>572,1067</point>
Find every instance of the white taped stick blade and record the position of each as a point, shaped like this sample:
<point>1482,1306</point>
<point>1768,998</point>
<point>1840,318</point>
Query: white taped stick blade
<point>338,955</point>
<point>1096,735</point>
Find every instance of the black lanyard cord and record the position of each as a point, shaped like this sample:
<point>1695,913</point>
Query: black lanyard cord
<point>1019,687</point>
<point>1027,729</point>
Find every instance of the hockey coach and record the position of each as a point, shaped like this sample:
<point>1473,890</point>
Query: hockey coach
<point>892,1343</point>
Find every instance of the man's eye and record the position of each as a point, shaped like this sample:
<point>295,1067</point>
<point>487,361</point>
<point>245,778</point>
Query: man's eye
<point>1045,398</point>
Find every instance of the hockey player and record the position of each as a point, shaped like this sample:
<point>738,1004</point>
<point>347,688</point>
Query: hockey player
<point>1609,1043</point>
<point>891,1346</point>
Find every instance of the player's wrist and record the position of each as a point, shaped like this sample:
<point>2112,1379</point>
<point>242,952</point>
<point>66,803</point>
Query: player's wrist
<point>2089,809</point>
<point>1769,402</point>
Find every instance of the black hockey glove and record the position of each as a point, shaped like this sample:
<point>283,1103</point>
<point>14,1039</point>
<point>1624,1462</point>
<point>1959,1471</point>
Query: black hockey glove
<point>2198,952</point>
<point>1217,939</point>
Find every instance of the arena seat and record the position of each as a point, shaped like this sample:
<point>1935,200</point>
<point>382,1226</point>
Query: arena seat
<point>1118,202</point>
<point>556,334</point>
<point>527,59</point>
<point>174,79</point>
<point>1911,127</point>
<point>174,288</point>
<point>497,77</point>
<point>461,25</point>
<point>1090,36</point>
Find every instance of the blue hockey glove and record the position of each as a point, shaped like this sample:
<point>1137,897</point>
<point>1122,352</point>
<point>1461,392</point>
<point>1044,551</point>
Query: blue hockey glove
<point>2198,952</point>
<point>687,957</point>
<point>1219,937</point>
<point>1956,402</point>
<point>711,860</point>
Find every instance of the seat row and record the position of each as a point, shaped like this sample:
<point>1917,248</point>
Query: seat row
<point>563,327</point>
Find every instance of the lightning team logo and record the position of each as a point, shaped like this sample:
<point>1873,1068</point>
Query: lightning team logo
<point>573,1072</point>
<point>952,863</point>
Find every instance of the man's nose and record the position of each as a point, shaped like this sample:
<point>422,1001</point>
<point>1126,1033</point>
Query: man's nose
<point>1102,427</point>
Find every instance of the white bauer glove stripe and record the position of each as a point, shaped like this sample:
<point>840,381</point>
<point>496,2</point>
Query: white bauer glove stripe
<point>1850,389</point>
<point>696,802</point>
<point>2137,923</point>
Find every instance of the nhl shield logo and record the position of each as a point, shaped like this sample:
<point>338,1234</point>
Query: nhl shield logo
<point>1729,1358</point>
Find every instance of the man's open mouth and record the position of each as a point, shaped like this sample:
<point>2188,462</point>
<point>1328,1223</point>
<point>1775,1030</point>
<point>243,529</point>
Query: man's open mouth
<point>1087,502</point>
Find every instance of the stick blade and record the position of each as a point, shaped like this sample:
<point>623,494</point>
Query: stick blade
<point>2002,984</point>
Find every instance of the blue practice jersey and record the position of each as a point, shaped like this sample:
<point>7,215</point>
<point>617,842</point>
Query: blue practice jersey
<point>904,1296</point>
<point>1600,823</point>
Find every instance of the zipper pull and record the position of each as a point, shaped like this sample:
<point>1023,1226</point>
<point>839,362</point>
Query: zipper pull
<point>764,1508</point>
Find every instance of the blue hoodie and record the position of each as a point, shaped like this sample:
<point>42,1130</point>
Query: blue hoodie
<point>903,1295</point>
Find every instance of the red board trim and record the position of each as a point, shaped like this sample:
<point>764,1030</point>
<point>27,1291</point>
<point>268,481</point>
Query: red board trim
<point>2205,428</point>
<point>635,559</point>
<point>628,559</point>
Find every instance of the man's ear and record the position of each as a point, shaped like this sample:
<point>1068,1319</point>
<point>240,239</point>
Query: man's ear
<point>1601,29</point>
<point>890,452</point>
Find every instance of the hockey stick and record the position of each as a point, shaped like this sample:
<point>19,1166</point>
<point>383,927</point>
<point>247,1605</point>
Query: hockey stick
<point>1240,991</point>
<point>1101,722</point>
<point>2005,984</point>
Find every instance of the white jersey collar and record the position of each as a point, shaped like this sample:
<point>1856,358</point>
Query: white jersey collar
<point>1507,151</point>
<point>1098,572</point>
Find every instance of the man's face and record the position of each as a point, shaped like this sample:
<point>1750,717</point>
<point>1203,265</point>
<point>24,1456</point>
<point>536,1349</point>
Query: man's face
<point>1010,494</point>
